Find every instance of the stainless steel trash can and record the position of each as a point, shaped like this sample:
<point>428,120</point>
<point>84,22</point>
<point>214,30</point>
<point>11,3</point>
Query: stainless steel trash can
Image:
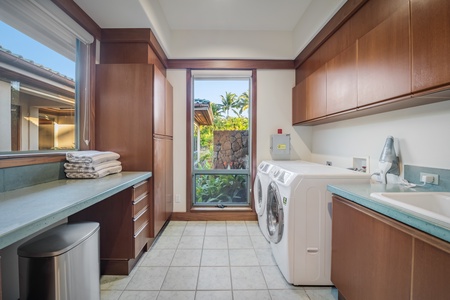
<point>61,264</point>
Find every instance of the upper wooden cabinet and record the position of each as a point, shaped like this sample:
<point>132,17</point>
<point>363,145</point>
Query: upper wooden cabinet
<point>299,103</point>
<point>430,27</point>
<point>384,60</point>
<point>162,105</point>
<point>342,81</point>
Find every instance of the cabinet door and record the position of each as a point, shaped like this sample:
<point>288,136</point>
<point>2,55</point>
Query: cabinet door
<point>431,275</point>
<point>316,94</point>
<point>169,109</point>
<point>342,89</point>
<point>299,103</point>
<point>384,68</point>
<point>169,177</point>
<point>159,99</point>
<point>159,184</point>
<point>430,22</point>
<point>370,259</point>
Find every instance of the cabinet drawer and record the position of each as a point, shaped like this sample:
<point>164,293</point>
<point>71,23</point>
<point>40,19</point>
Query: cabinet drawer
<point>141,238</point>
<point>139,190</point>
<point>139,204</point>
<point>140,220</point>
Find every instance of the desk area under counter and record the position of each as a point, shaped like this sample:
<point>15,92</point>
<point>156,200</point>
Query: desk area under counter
<point>381,252</point>
<point>27,211</point>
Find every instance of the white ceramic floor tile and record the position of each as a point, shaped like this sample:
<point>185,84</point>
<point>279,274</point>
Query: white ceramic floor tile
<point>240,242</point>
<point>254,229</point>
<point>181,279</point>
<point>235,228</point>
<point>110,295</point>
<point>213,295</point>
<point>215,258</point>
<point>113,282</point>
<point>177,223</point>
<point>215,242</point>
<point>243,257</point>
<point>176,295</point>
<point>147,279</point>
<point>187,258</point>
<point>139,295</point>
<point>265,257</point>
<point>216,229</point>
<point>214,278</point>
<point>322,293</point>
<point>259,242</point>
<point>275,279</point>
<point>173,231</point>
<point>251,295</point>
<point>158,258</point>
<point>191,242</point>
<point>299,294</point>
<point>247,278</point>
<point>194,230</point>
<point>166,242</point>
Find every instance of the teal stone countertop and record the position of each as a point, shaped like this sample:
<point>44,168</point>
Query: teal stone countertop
<point>360,193</point>
<point>27,210</point>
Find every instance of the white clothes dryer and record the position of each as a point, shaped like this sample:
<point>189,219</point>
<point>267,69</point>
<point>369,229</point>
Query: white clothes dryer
<point>299,220</point>
<point>260,186</point>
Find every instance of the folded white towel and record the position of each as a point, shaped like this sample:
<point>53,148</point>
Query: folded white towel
<point>92,157</point>
<point>98,174</point>
<point>88,167</point>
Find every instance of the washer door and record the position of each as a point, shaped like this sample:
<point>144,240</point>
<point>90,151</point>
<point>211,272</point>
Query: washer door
<point>275,213</point>
<point>258,195</point>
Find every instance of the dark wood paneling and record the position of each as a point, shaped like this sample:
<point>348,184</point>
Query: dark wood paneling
<point>299,103</point>
<point>431,274</point>
<point>316,94</point>
<point>123,53</point>
<point>346,11</point>
<point>159,100</point>
<point>384,60</point>
<point>124,113</point>
<point>430,21</point>
<point>229,64</point>
<point>15,160</point>
<point>342,87</point>
<point>159,203</point>
<point>370,258</point>
<point>169,109</point>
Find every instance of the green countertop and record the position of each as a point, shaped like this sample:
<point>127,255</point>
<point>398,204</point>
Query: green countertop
<point>360,193</point>
<point>27,210</point>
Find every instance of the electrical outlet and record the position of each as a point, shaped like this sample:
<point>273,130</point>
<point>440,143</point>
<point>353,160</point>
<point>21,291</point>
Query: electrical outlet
<point>177,198</point>
<point>434,176</point>
<point>329,163</point>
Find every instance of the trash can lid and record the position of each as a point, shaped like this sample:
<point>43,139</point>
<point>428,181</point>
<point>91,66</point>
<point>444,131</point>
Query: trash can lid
<point>58,240</point>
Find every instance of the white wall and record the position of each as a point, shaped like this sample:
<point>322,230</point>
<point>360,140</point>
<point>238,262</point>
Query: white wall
<point>274,96</point>
<point>421,137</point>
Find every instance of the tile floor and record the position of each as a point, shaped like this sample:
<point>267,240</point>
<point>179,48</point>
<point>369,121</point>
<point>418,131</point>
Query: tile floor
<point>208,260</point>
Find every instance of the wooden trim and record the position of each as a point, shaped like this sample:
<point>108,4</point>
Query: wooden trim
<point>341,16</point>
<point>76,13</point>
<point>254,135</point>
<point>227,64</point>
<point>188,140</point>
<point>30,159</point>
<point>215,216</point>
<point>135,35</point>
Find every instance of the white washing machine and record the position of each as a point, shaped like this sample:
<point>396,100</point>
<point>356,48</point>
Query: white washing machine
<point>261,184</point>
<point>299,220</point>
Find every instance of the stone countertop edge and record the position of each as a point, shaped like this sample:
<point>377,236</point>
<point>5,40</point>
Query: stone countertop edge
<point>25,211</point>
<point>360,193</point>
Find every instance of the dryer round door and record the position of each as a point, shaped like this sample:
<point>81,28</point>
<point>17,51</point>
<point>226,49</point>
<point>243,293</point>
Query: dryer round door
<point>258,196</point>
<point>275,213</point>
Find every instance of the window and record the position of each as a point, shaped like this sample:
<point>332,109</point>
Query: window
<point>42,55</point>
<point>221,151</point>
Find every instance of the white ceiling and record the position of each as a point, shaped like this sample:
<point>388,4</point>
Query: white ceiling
<point>289,23</point>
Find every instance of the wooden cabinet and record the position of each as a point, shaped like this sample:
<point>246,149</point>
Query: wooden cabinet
<point>299,103</point>
<point>342,81</point>
<point>124,227</point>
<point>375,257</point>
<point>163,181</point>
<point>384,60</point>
<point>430,29</point>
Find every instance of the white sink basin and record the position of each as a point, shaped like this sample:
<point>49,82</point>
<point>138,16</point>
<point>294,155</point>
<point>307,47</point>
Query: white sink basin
<point>435,205</point>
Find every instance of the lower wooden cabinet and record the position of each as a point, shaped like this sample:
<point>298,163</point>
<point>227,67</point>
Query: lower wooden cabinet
<point>125,227</point>
<point>375,257</point>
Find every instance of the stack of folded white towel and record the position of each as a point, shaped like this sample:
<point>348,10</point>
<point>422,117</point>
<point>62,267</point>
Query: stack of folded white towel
<point>91,164</point>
